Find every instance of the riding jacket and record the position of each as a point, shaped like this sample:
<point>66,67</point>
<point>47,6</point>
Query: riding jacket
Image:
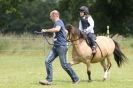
<point>86,24</point>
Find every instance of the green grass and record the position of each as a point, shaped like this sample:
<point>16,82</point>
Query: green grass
<point>24,71</point>
<point>24,67</point>
<point>26,43</point>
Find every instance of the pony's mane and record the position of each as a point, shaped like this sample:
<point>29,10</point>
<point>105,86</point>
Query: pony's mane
<point>74,31</point>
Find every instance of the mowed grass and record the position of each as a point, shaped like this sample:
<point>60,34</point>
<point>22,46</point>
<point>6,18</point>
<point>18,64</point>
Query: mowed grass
<point>18,71</point>
<point>24,69</point>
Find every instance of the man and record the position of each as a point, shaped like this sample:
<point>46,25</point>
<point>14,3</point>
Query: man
<point>59,49</point>
<point>86,25</point>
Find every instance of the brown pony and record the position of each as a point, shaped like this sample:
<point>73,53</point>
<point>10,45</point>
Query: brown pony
<point>81,52</point>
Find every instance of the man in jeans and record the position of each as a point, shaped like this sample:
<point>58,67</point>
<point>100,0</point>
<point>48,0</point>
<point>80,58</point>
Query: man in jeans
<point>59,49</point>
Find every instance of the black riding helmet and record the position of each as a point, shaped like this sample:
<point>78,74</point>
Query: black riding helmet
<point>84,9</point>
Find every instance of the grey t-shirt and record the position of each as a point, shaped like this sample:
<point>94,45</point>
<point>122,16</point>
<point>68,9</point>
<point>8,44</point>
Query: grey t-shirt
<point>60,37</point>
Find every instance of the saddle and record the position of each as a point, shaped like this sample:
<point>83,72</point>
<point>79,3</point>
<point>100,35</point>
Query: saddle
<point>88,41</point>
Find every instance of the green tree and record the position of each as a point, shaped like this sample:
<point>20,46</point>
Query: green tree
<point>69,9</point>
<point>9,10</point>
<point>115,13</point>
<point>32,15</point>
<point>28,15</point>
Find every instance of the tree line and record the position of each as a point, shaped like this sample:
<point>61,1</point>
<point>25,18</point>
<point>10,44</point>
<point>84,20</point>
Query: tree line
<point>18,16</point>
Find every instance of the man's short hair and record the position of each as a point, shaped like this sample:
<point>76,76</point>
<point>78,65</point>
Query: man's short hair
<point>56,12</point>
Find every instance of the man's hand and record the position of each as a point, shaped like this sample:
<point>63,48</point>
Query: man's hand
<point>44,30</point>
<point>55,29</point>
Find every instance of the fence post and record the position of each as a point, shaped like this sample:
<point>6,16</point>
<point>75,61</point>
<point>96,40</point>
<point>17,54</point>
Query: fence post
<point>107,31</point>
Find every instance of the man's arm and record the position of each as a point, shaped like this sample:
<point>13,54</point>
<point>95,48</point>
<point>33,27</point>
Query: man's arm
<point>56,29</point>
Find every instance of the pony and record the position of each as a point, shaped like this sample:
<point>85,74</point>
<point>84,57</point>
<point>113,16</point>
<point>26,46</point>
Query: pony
<point>82,52</point>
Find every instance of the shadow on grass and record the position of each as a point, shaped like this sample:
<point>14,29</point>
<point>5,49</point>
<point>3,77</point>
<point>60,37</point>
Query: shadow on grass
<point>59,82</point>
<point>81,81</point>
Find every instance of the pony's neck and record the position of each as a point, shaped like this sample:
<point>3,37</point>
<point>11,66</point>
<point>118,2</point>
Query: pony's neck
<point>77,41</point>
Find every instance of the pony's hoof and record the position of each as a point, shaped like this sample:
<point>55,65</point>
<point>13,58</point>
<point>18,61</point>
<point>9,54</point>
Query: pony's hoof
<point>104,79</point>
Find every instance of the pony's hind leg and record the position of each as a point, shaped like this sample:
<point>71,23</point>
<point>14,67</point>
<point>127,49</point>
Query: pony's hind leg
<point>106,67</point>
<point>108,63</point>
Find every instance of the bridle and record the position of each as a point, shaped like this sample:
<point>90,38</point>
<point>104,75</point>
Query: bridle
<point>73,40</point>
<point>70,39</point>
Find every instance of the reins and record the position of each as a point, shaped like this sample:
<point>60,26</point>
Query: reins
<point>70,40</point>
<point>36,32</point>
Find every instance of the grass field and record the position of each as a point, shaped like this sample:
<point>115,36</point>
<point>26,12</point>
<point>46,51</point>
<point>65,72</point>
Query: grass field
<point>22,67</point>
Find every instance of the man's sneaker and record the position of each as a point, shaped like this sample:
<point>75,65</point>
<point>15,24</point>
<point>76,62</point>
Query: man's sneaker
<point>45,82</point>
<point>76,82</point>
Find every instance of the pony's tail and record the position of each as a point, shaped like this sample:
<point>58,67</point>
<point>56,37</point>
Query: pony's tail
<point>119,57</point>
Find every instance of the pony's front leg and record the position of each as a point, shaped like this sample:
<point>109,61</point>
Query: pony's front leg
<point>73,62</point>
<point>89,71</point>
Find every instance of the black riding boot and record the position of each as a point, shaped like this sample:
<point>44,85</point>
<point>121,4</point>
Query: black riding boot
<point>92,38</point>
<point>93,49</point>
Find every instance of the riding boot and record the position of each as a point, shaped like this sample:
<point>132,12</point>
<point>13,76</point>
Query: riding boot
<point>93,49</point>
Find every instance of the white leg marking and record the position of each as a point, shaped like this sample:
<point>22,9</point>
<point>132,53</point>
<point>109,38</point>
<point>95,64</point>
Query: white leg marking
<point>105,75</point>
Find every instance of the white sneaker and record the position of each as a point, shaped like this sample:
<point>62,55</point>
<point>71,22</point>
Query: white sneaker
<point>45,82</point>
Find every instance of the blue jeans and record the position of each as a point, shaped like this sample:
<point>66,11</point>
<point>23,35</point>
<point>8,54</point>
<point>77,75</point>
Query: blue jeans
<point>61,52</point>
<point>91,38</point>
